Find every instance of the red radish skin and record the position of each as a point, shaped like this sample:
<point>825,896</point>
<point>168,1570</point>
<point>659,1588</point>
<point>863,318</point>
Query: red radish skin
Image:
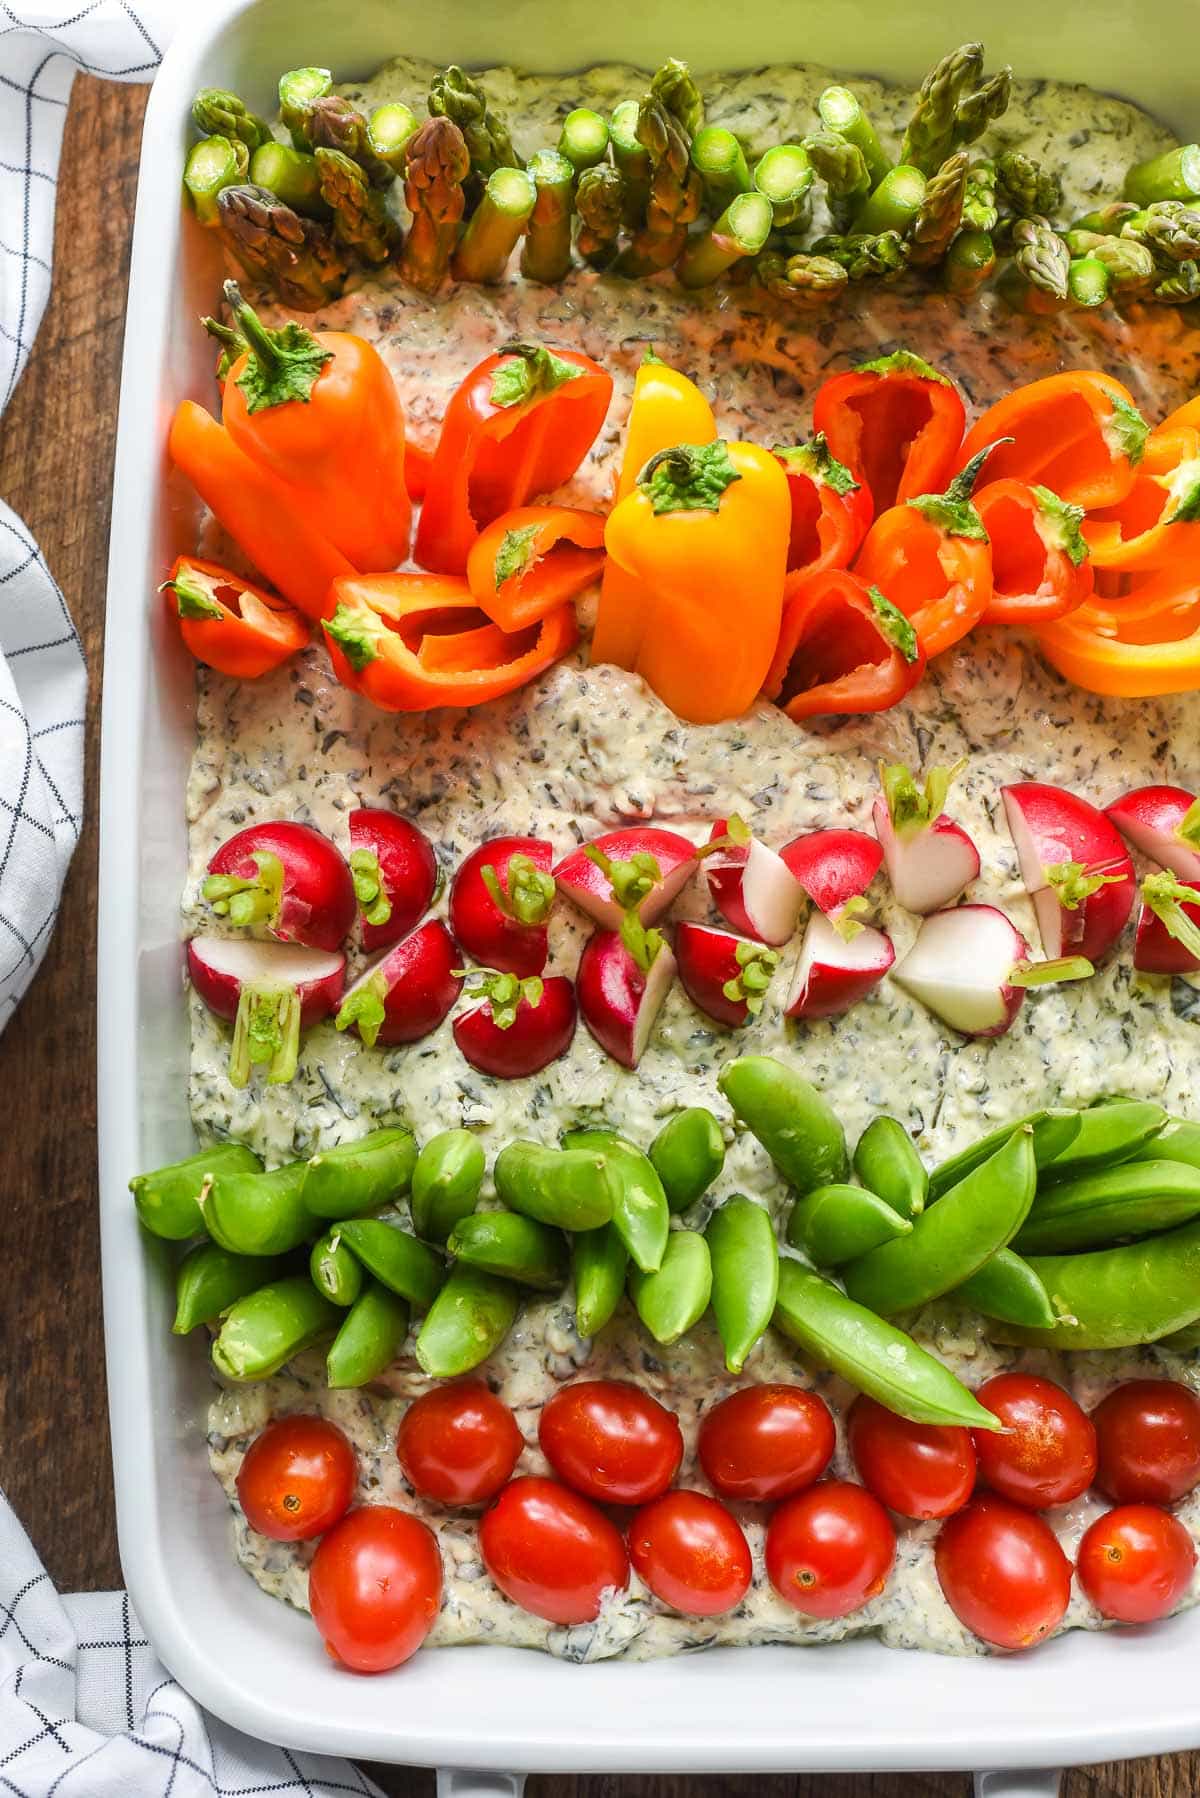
<point>960,969</point>
<point>1150,819</point>
<point>618,1001</point>
<point>486,933</point>
<point>302,893</point>
<point>753,888</point>
<point>708,963</point>
<point>588,886</point>
<point>833,974</point>
<point>1051,827</point>
<point>538,1035</point>
<point>833,866</point>
<point>270,992</point>
<point>393,869</point>
<point>1156,951</point>
<point>928,868</point>
<point>406,993</point>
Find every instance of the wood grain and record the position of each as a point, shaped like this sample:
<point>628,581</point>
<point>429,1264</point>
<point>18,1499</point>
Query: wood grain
<point>56,450</point>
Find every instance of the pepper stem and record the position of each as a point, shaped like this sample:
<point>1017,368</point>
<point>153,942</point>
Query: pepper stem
<point>963,485</point>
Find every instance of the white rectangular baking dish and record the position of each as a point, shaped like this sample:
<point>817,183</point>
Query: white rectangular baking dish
<point>245,1656</point>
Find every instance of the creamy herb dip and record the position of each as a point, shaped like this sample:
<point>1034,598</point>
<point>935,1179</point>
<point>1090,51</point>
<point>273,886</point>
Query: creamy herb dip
<point>587,748</point>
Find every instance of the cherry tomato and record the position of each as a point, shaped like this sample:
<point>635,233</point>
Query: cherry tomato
<point>766,1442</point>
<point>1149,1436</point>
<point>297,1478</point>
<point>1003,1572</point>
<point>918,1469</point>
<point>375,1586</point>
<point>1049,1452</point>
<point>691,1553</point>
<point>551,1551</point>
<point>458,1444</point>
<point>1135,1563</point>
<point>830,1549</point>
<point>611,1441</point>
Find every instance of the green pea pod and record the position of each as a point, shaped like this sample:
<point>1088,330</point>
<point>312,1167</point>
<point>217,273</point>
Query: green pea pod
<point>467,1322</point>
<point>599,1261</point>
<point>688,1154</point>
<point>356,1177</point>
<point>870,1354</point>
<point>1118,1298</point>
<point>745,1275</point>
<point>640,1215</point>
<point>670,1301</point>
<point>790,1119</point>
<point>952,1240</point>
<point>209,1279</point>
<point>1007,1289</point>
<point>517,1248</point>
<point>835,1224</point>
<point>1181,1342</point>
<point>887,1163</point>
<point>370,1338</point>
<point>1107,1134</point>
<point>445,1183</point>
<point>570,1188</point>
<point>1179,1140</point>
<point>258,1214</point>
<point>1135,1198</point>
<point>268,1327</point>
<point>401,1263</point>
<point>1054,1129</point>
<point>336,1272</point>
<point>168,1200</point>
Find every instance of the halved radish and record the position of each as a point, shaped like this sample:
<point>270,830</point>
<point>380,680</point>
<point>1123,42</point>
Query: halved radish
<point>930,859</point>
<point>407,992</point>
<point>621,988</point>
<point>1075,868</point>
<point>970,966</point>
<point>288,877</point>
<point>640,869</point>
<point>833,866</point>
<point>499,902</point>
<point>1168,932</point>
<point>1164,824</point>
<point>837,968</point>
<point>751,886</point>
<point>725,975</point>
<point>269,992</point>
<point>519,1026</point>
<point>395,875</point>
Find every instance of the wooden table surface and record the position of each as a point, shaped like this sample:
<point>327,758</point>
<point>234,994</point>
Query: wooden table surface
<point>56,451</point>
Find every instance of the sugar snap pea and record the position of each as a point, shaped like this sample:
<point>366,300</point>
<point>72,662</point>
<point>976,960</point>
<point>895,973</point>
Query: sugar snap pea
<point>887,1163</point>
<point>168,1200</point>
<point>516,1247</point>
<point>745,1275</point>
<point>952,1240</point>
<point>837,1223</point>
<point>336,1271</point>
<point>1054,1128</point>
<point>1107,1134</point>
<point>370,1338</point>
<point>789,1117</point>
<point>360,1176</point>
<point>209,1279</point>
<point>571,1188</point>
<point>468,1320</point>
<point>1178,1140</point>
<point>258,1214</point>
<point>445,1183</point>
<point>599,1261</point>
<point>1135,1198</point>
<point>688,1153</point>
<point>640,1215</point>
<point>405,1266</point>
<point>872,1355</point>
<point>1007,1288</point>
<point>672,1300</point>
<point>1119,1298</point>
<point>265,1329</point>
<point>1181,1342</point>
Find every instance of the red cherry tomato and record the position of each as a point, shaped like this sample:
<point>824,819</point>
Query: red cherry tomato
<point>918,1469</point>
<point>611,1441</point>
<point>830,1549</point>
<point>458,1444</point>
<point>551,1551</point>
<point>375,1586</point>
<point>1149,1437</point>
<point>297,1478</point>
<point>766,1442</point>
<point>1003,1572</point>
<point>1048,1454</point>
<point>1136,1563</point>
<point>691,1553</point>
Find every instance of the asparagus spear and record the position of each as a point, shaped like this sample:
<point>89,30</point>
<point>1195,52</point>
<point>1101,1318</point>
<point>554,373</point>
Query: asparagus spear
<point>742,230</point>
<point>865,254</point>
<point>631,157</point>
<point>842,166</point>
<point>361,220</point>
<point>583,139</point>
<point>335,124</point>
<point>841,112</point>
<point>979,199</point>
<point>438,164</point>
<point>977,110</point>
<point>1036,279</point>
<point>894,204</point>
<point>294,256</point>
<point>1130,265</point>
<point>297,91</point>
<point>212,164</point>
<point>674,198</point>
<point>676,92</point>
<point>1172,175</point>
<point>1180,287</point>
<point>216,113</point>
<point>546,255</point>
<point>496,224</point>
<point>969,262</point>
<point>1169,229</point>
<point>785,175</point>
<point>1087,282</point>
<point>720,161</point>
<point>456,96</point>
<point>291,176</point>
<point>390,130</point>
<point>802,279</point>
<point>1107,219</point>
<point>1029,189</point>
<point>940,215</point>
<point>600,203</point>
<point>929,136</point>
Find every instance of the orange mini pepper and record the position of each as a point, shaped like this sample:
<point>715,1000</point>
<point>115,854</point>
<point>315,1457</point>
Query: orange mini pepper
<point>1157,525</point>
<point>529,561</point>
<point>896,423</point>
<point>1087,650</point>
<point>842,647</point>
<point>1040,565</point>
<point>228,623</point>
<point>831,511</point>
<point>1079,434</point>
<point>409,642</point>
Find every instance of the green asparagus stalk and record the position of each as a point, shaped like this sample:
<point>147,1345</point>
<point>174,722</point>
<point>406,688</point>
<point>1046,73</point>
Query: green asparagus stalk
<point>437,166</point>
<point>977,110</point>
<point>297,91</point>
<point>213,164</point>
<point>675,194</point>
<point>841,112</point>
<point>865,255</point>
<point>496,224</point>
<point>456,96</point>
<point>1130,265</point>
<point>842,166</point>
<point>801,280</point>
<point>583,139</point>
<point>216,113</point>
<point>546,254</point>
<point>785,176</point>
<point>894,204</point>
<point>291,175</point>
<point>720,161</point>
<point>969,262</point>
<point>929,136</point>
<point>361,220</point>
<point>940,214</point>
<point>676,92</point>
<point>979,200</point>
<point>296,257</point>
<point>600,203</point>
<point>1107,219</point>
<point>1173,175</point>
<point>1037,278</point>
<point>1169,229</point>
<point>632,158</point>
<point>336,124</point>
<point>1029,189</point>
<point>742,230</point>
<point>1087,282</point>
<point>390,130</point>
<point>1180,287</point>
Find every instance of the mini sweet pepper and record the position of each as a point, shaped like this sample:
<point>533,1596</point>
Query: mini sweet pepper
<point>895,422</point>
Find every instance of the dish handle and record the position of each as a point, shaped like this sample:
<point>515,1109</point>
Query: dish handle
<point>1017,1782</point>
<point>459,1782</point>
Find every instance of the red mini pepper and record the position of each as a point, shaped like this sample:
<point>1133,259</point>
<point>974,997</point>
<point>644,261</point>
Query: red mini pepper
<point>529,561</point>
<point>831,511</point>
<point>896,423</point>
<point>230,624</point>
<point>517,428</point>
<point>1040,565</point>
<point>842,647</point>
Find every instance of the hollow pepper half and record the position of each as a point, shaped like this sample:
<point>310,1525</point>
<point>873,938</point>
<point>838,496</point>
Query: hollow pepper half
<point>704,535</point>
<point>1156,527</point>
<point>517,428</point>
<point>230,624</point>
<point>1040,564</point>
<point>831,511</point>
<point>529,561</point>
<point>1085,648</point>
<point>896,423</point>
<point>1079,434</point>
<point>842,647</point>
